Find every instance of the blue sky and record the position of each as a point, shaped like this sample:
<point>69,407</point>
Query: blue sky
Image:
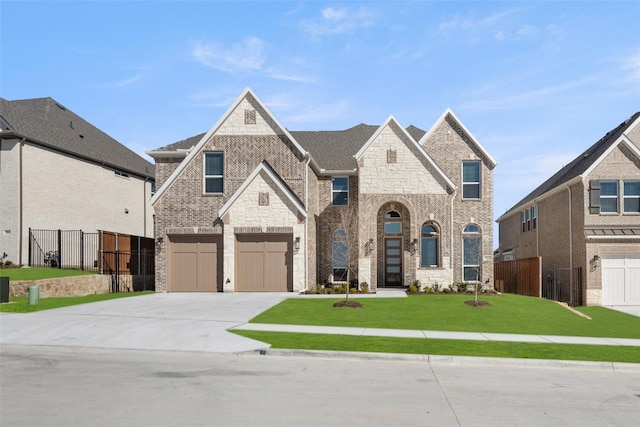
<point>535,82</point>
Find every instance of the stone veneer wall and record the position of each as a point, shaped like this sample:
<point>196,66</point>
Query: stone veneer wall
<point>63,286</point>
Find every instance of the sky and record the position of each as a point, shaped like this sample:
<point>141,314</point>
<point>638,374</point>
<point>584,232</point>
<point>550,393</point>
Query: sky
<point>535,82</point>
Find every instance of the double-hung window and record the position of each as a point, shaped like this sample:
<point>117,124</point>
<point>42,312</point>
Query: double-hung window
<point>340,191</point>
<point>631,191</point>
<point>471,253</point>
<point>214,173</point>
<point>608,196</point>
<point>471,180</point>
<point>339,256</point>
<point>429,246</point>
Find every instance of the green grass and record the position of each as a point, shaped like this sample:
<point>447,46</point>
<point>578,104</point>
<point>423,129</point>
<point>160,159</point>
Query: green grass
<point>508,313</point>
<point>37,273</point>
<point>596,353</point>
<point>20,304</point>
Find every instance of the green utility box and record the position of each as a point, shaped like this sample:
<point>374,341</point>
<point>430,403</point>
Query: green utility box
<point>34,295</point>
<point>4,289</point>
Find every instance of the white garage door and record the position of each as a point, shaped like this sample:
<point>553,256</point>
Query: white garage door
<point>621,278</point>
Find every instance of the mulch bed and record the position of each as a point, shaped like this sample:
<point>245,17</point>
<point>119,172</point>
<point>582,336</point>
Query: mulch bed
<point>473,303</point>
<point>349,304</point>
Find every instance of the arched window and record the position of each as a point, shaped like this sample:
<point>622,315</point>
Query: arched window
<point>429,246</point>
<point>392,223</point>
<point>339,252</point>
<point>471,253</point>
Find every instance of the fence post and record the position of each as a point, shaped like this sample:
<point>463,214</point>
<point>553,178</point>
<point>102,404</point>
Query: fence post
<point>81,250</point>
<point>30,255</point>
<point>59,248</point>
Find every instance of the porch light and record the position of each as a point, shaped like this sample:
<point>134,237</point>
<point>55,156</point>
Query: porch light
<point>296,244</point>
<point>414,245</point>
<point>596,261</point>
<point>160,240</point>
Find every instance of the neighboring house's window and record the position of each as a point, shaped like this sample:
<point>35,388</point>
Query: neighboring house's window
<point>471,253</point>
<point>392,223</point>
<point>213,172</point>
<point>339,248</point>
<point>120,173</point>
<point>340,191</point>
<point>528,217</point>
<point>631,191</point>
<point>429,246</point>
<point>534,216</point>
<point>608,196</point>
<point>523,221</point>
<point>153,188</point>
<point>471,180</point>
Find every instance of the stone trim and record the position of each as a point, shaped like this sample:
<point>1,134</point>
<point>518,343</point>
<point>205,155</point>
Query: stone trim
<point>194,230</point>
<point>247,230</point>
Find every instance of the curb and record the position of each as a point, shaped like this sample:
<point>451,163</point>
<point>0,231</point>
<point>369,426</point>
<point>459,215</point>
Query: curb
<point>442,360</point>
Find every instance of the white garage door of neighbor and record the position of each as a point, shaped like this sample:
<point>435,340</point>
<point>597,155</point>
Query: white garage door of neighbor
<point>621,278</point>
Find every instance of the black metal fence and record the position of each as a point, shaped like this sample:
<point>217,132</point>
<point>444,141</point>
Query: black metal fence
<point>73,249</point>
<point>564,284</point>
<point>130,270</point>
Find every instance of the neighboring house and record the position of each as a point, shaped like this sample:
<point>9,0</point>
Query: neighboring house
<point>59,172</point>
<point>585,220</point>
<point>252,206</point>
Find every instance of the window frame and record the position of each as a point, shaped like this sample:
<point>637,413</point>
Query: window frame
<point>429,237</point>
<point>471,232</point>
<point>615,197</point>
<point>334,192</point>
<point>339,255</point>
<point>625,197</point>
<point>212,176</point>
<point>478,183</point>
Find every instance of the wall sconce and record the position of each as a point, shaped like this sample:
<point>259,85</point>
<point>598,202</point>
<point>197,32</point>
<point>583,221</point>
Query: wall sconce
<point>414,245</point>
<point>126,210</point>
<point>596,261</point>
<point>296,244</point>
<point>160,240</point>
<point>368,246</point>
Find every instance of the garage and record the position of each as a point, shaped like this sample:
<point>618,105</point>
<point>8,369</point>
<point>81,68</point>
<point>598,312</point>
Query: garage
<point>621,278</point>
<point>194,263</point>
<point>264,262</point>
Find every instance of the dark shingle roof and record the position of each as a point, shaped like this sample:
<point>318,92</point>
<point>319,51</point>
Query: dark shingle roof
<point>46,122</point>
<point>332,150</point>
<point>579,165</point>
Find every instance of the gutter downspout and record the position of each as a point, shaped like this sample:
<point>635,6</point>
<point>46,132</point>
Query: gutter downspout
<point>453,196</point>
<point>570,248</point>
<point>306,222</point>
<point>21,204</point>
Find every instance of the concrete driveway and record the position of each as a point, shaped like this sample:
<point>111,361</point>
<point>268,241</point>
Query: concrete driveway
<point>172,321</point>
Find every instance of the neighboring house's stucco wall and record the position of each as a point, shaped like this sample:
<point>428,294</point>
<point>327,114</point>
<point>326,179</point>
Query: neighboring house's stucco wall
<point>10,200</point>
<point>63,192</point>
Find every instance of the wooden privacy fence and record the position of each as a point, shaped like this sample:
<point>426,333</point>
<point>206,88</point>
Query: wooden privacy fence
<point>522,276</point>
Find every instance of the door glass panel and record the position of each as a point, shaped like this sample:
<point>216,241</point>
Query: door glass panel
<point>393,243</point>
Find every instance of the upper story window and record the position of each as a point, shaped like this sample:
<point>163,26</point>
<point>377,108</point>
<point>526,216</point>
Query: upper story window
<point>429,246</point>
<point>392,223</point>
<point>529,219</point>
<point>608,196</point>
<point>631,191</point>
<point>213,173</point>
<point>340,191</point>
<point>471,180</point>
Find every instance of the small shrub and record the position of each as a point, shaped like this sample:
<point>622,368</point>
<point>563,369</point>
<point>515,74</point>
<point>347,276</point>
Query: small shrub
<point>436,287</point>
<point>462,287</point>
<point>428,289</point>
<point>364,287</point>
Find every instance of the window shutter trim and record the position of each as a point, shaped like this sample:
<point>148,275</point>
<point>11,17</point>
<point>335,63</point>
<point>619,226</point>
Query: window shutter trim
<point>594,196</point>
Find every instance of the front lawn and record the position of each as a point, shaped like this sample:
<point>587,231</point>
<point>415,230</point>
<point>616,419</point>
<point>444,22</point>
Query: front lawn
<point>37,273</point>
<point>20,304</point>
<point>508,313</point>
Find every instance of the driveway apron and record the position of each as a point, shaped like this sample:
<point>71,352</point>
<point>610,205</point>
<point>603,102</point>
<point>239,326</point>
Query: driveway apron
<point>162,321</point>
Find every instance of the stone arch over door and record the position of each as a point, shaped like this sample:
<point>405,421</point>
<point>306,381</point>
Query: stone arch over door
<point>393,259</point>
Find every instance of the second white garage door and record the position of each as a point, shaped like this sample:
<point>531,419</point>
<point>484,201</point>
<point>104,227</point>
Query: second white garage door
<point>264,262</point>
<point>621,278</point>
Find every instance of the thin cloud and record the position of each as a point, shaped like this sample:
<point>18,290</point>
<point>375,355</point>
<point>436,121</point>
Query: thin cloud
<point>121,83</point>
<point>466,23</point>
<point>335,21</point>
<point>247,55</point>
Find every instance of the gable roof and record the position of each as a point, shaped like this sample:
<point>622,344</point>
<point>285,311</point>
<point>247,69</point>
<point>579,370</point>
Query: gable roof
<point>581,165</point>
<point>46,122</point>
<point>205,137</point>
<point>449,113</point>
<point>273,176</point>
<point>391,120</point>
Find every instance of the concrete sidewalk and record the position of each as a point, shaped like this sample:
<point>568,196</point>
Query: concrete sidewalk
<point>409,333</point>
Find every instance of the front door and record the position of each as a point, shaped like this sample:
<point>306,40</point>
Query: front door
<point>393,261</point>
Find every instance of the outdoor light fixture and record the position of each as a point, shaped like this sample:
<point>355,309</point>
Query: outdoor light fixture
<point>160,239</point>
<point>126,210</point>
<point>296,244</point>
<point>596,261</point>
<point>414,244</point>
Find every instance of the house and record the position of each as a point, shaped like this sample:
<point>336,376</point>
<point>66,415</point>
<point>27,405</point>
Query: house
<point>252,206</point>
<point>584,222</point>
<point>58,171</point>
